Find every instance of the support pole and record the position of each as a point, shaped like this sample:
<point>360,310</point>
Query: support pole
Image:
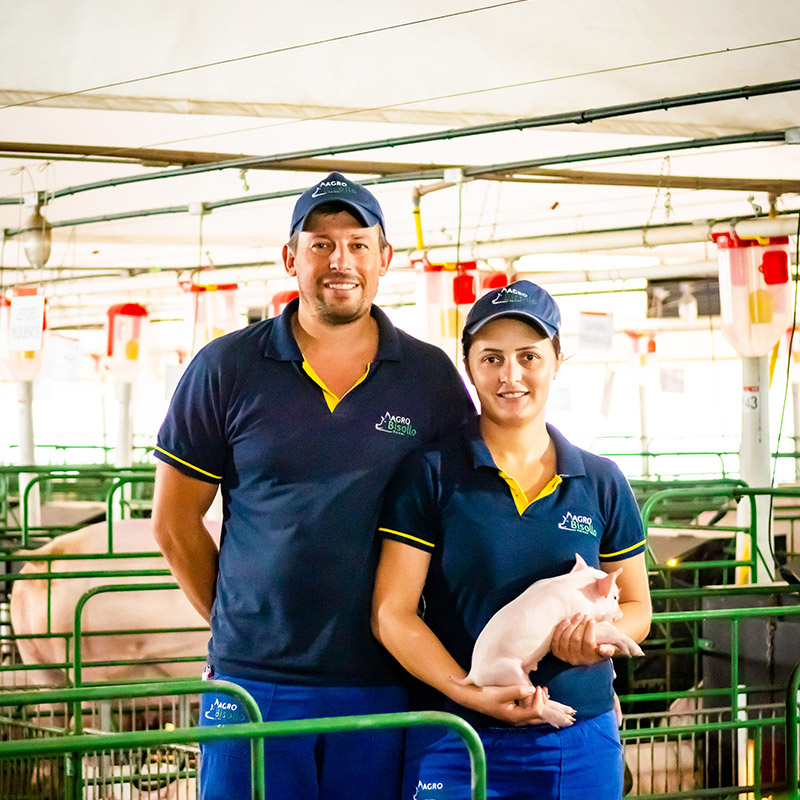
<point>26,452</point>
<point>644,438</point>
<point>754,468</point>
<point>796,428</point>
<point>124,449</point>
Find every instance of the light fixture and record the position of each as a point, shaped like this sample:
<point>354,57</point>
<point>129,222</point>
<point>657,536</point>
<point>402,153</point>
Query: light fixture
<point>36,238</point>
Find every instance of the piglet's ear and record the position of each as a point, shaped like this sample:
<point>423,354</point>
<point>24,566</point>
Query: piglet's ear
<point>579,563</point>
<point>606,584</point>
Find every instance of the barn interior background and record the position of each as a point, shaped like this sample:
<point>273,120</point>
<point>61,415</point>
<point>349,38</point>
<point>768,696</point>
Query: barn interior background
<point>602,152</point>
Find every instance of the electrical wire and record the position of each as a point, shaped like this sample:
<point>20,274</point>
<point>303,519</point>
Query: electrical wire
<point>276,51</point>
<point>785,394</point>
<point>433,98</point>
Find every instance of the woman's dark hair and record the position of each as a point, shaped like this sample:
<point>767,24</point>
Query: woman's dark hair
<point>467,338</point>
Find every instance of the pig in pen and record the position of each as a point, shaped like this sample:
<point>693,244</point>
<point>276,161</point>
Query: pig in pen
<point>137,635</point>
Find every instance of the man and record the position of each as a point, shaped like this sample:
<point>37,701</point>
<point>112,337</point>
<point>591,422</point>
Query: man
<point>301,420</point>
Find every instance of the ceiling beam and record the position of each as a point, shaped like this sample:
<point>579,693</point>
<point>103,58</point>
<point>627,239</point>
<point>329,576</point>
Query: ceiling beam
<point>154,157</point>
<point>774,186</point>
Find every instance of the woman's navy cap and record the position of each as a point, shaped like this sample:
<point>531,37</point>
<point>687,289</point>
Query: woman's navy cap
<point>521,299</point>
<point>337,189</point>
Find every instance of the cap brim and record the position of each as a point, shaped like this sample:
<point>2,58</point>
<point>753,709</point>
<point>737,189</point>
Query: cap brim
<point>549,330</point>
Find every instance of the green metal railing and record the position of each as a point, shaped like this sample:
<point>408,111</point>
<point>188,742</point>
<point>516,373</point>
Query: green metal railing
<point>71,477</point>
<point>117,486</point>
<point>792,735</point>
<point>73,745</point>
<point>722,701</point>
<point>77,665</point>
<point>730,493</point>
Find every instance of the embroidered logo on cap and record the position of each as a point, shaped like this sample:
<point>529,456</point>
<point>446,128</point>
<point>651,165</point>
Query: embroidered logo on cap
<point>395,424</point>
<point>508,295</point>
<point>333,187</point>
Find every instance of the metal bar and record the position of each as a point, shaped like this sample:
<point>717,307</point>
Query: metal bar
<point>87,595</point>
<point>563,118</point>
<point>117,484</point>
<point>122,573</point>
<point>624,152</point>
<point>792,732</point>
<point>35,481</point>
<point>76,695</point>
<point>89,743</point>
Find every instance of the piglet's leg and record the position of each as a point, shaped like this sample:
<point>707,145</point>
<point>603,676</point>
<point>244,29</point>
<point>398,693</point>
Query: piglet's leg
<point>607,633</point>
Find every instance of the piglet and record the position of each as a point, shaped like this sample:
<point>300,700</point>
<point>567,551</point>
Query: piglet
<point>518,636</point>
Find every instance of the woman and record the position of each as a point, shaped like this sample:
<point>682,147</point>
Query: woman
<point>475,520</point>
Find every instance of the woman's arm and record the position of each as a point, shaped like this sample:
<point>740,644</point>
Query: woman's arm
<point>574,639</point>
<point>398,585</point>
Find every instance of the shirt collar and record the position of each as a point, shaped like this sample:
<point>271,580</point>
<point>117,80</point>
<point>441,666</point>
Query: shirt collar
<point>568,458</point>
<point>282,346</point>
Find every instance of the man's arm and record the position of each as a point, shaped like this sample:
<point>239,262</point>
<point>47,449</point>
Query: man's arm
<point>179,504</point>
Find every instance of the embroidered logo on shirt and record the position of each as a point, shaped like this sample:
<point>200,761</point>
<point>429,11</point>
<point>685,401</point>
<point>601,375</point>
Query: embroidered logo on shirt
<point>424,789</point>
<point>508,295</point>
<point>578,523</point>
<point>394,424</point>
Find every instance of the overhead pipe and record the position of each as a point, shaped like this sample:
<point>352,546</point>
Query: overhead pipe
<point>621,238</point>
<point>626,152</point>
<point>210,206</point>
<point>525,123</point>
<point>696,269</point>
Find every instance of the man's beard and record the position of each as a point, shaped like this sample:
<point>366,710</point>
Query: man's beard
<point>344,314</point>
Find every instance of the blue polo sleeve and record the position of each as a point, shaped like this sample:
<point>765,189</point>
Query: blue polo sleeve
<point>410,514</point>
<point>192,436</point>
<point>453,400</point>
<point>623,534</point>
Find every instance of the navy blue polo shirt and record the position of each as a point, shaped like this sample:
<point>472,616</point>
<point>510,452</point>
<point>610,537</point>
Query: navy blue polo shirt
<point>488,543</point>
<point>303,474</point>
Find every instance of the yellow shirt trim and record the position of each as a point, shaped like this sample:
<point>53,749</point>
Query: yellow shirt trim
<point>330,398</point>
<point>187,464</point>
<point>520,498</point>
<point>407,536</point>
<point>626,550</point>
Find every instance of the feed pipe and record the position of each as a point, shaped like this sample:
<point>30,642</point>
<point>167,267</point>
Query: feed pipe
<point>563,118</point>
<point>619,238</point>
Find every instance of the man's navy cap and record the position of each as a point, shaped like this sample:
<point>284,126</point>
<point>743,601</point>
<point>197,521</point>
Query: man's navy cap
<point>338,189</point>
<point>521,299</point>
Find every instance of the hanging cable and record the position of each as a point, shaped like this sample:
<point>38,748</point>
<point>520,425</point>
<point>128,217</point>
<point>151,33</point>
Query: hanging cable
<point>785,391</point>
<point>432,98</point>
<point>287,49</point>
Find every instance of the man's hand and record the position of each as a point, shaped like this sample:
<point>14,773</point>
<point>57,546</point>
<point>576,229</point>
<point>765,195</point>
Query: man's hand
<point>575,642</point>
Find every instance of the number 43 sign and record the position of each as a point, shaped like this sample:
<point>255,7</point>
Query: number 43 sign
<point>750,398</point>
